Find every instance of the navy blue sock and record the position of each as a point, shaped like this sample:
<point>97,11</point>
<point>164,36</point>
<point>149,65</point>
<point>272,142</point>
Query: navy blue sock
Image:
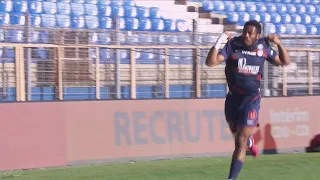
<point>235,169</point>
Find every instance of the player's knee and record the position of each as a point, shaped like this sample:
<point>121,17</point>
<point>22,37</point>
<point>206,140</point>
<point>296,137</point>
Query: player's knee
<point>241,140</point>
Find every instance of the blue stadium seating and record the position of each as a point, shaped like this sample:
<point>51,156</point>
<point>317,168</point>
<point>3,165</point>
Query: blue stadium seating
<point>281,16</point>
<point>83,13</point>
<point>287,16</point>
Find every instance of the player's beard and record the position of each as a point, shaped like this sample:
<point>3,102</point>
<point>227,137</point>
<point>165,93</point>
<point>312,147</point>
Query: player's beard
<point>249,42</point>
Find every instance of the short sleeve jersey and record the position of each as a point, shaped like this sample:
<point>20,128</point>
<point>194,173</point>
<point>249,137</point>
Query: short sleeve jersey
<point>244,65</point>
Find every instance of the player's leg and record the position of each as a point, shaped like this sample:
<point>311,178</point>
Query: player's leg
<point>247,122</point>
<point>239,153</point>
<point>231,112</point>
<point>232,104</point>
<point>252,114</point>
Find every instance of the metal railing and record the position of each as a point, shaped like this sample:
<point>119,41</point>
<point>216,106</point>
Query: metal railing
<point>70,64</point>
<point>81,66</point>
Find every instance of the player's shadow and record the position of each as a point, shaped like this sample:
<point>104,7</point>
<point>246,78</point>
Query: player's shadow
<point>314,144</point>
<point>269,144</point>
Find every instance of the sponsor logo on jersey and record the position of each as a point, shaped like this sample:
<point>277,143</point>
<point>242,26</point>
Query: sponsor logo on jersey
<point>247,69</point>
<point>259,51</point>
<point>251,53</point>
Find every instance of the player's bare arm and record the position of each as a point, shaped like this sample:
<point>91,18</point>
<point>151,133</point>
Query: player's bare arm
<point>283,58</point>
<point>213,58</point>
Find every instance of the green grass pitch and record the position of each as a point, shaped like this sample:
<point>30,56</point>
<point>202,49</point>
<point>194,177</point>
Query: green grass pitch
<point>266,167</point>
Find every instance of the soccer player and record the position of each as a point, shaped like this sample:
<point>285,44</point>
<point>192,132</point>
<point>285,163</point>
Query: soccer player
<point>244,57</point>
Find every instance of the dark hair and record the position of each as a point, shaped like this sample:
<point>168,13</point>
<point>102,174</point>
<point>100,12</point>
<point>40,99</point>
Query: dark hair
<point>254,23</point>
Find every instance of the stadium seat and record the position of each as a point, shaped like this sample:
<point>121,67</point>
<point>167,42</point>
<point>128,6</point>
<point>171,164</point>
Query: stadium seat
<point>155,13</point>
<point>131,24</point>
<point>157,24</point>
<point>92,22</point>
<point>35,7</point>
<point>77,22</point>
<point>63,21</point>
<point>130,11</point>
<point>233,17</point>
<point>265,17</point>
<point>6,6</point>
<point>186,56</point>
<point>170,25</point>
<point>9,52</point>
<point>229,6</point>
<point>185,39</point>
<point>271,8</point>
<point>105,10</point>
<point>49,7</point>
<point>42,53</point>
<point>122,2</point>
<point>77,9</point>
<point>301,8</point>
<point>35,36</point>
<point>64,8</point>
<point>105,23</point>
<point>91,1</point>
<point>315,19</point>
<point>310,9</point>
<point>78,1</point>
<point>35,20</point>
<point>104,38</point>
<point>105,55</point>
<point>243,17</point>
<point>15,36</point>
<point>306,19</point>
<point>104,2</point>
<point>276,18</point>
<point>143,12</point>
<point>44,37</point>
<point>145,24</point>
<point>251,7</point>
<point>255,16</point>
<point>93,38</point>
<point>17,19</point>
<point>65,1</point>
<point>291,8</point>
<point>296,19</point>
<point>20,6</point>
<point>4,18</point>
<point>285,18</point>
<point>262,7</point>
<point>311,29</point>
<point>208,5</point>
<point>91,9</point>
<point>171,39</point>
<point>240,6</point>
<point>144,38</point>
<point>117,11</point>
<point>291,29</point>
<point>280,29</point>
<point>301,29</point>
<point>48,20</point>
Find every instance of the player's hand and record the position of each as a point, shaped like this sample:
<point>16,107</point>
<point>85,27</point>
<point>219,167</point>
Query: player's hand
<point>274,38</point>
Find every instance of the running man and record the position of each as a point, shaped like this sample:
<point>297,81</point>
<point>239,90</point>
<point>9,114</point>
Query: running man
<point>244,57</point>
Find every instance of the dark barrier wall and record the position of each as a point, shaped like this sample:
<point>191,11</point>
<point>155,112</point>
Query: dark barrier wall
<point>56,134</point>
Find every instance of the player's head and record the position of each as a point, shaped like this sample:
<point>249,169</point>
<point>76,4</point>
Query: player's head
<point>251,32</point>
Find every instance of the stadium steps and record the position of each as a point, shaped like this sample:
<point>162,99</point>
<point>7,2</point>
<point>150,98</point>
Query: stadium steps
<point>207,22</point>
